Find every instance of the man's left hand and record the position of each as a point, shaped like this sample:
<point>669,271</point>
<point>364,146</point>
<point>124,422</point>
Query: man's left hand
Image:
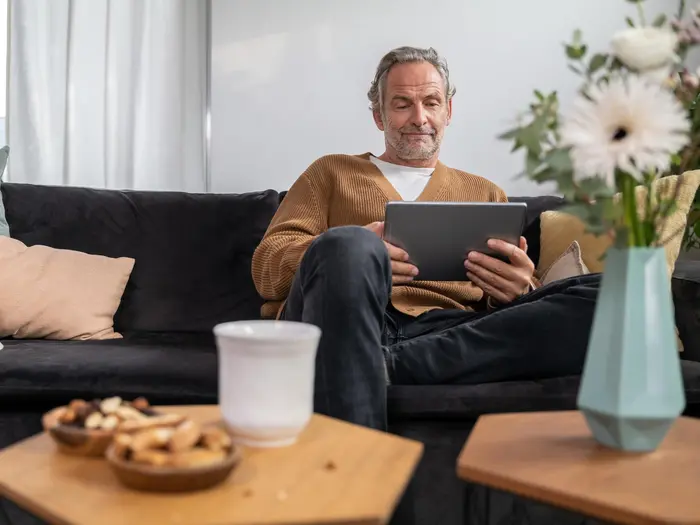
<point>502,281</point>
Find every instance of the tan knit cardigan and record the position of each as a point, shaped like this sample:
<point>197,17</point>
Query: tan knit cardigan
<point>344,190</point>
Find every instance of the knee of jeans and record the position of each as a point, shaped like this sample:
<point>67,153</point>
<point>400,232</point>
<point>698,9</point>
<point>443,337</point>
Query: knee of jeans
<point>349,241</point>
<point>349,249</point>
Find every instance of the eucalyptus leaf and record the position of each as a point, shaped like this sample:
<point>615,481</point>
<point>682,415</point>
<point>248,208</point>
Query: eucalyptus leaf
<point>576,52</point>
<point>629,21</point>
<point>597,62</point>
<point>595,187</point>
<point>560,160</point>
<point>530,139</point>
<point>575,69</point>
<point>545,174</point>
<point>510,134</point>
<point>539,95</point>
<point>616,64</point>
<point>579,210</point>
<point>597,229</point>
<point>659,21</point>
<point>578,35</point>
<point>532,162</point>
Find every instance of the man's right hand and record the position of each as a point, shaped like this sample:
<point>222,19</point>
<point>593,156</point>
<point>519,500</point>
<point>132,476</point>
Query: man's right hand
<point>402,272</point>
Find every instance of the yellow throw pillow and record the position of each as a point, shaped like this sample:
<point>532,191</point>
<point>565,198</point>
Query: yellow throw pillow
<point>46,293</point>
<point>558,229</point>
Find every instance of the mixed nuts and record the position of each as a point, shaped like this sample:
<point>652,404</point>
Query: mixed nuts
<point>171,441</point>
<point>107,414</point>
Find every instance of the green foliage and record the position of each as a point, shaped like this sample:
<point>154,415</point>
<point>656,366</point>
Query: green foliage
<point>606,207</point>
<point>597,62</point>
<point>659,21</point>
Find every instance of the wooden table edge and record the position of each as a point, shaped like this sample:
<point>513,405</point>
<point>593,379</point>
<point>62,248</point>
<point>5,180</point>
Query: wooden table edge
<point>414,448</point>
<point>28,506</point>
<point>565,501</point>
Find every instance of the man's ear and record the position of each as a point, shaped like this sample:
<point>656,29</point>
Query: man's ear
<point>449,112</point>
<point>378,119</point>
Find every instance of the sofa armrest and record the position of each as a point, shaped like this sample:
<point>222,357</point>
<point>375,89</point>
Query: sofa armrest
<point>686,299</point>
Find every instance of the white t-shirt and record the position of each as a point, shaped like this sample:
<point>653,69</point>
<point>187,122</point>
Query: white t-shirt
<point>409,182</point>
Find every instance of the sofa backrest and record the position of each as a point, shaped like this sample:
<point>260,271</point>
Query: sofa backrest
<point>192,251</point>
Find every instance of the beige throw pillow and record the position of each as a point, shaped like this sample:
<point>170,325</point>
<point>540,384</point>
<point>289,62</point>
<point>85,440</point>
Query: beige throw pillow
<point>59,294</point>
<point>569,264</point>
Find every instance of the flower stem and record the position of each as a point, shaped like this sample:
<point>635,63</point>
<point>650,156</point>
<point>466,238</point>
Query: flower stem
<point>633,228</point>
<point>642,18</point>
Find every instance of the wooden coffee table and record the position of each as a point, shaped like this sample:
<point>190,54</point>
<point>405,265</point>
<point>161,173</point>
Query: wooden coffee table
<point>335,473</point>
<point>551,457</point>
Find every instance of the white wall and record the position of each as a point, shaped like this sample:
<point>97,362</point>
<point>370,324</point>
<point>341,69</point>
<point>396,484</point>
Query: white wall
<point>3,68</point>
<point>289,78</point>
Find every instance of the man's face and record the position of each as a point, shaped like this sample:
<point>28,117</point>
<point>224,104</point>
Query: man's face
<point>414,112</point>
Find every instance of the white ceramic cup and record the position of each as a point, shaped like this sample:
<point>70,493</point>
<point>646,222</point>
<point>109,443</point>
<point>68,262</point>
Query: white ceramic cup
<point>266,379</point>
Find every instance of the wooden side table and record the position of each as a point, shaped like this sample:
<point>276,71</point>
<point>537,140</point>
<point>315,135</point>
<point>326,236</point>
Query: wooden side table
<point>335,473</point>
<point>550,457</point>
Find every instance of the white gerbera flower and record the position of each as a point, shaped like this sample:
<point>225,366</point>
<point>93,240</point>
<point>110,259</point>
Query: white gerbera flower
<point>629,124</point>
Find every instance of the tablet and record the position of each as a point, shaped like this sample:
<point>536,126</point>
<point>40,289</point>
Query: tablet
<point>438,235</point>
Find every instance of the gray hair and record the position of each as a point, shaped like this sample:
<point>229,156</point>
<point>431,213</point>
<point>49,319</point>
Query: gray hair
<point>404,55</point>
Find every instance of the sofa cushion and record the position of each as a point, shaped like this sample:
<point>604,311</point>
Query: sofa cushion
<point>177,368</point>
<point>182,368</point>
<point>471,401</point>
<point>192,251</point>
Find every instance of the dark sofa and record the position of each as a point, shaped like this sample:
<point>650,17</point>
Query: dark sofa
<point>192,270</point>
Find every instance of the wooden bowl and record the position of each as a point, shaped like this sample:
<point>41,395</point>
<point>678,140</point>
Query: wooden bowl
<point>171,479</point>
<point>76,440</point>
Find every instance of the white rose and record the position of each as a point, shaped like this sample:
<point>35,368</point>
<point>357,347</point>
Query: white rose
<point>644,48</point>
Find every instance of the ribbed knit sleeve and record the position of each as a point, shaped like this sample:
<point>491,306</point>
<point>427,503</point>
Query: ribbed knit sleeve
<point>298,221</point>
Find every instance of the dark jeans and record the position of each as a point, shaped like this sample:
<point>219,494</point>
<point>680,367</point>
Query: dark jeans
<point>343,286</point>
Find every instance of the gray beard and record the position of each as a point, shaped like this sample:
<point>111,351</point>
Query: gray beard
<point>405,152</point>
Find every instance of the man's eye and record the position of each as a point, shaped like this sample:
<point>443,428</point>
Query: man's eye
<point>401,107</point>
<point>432,104</point>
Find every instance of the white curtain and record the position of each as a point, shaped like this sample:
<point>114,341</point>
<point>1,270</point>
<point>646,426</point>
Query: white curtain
<point>108,93</point>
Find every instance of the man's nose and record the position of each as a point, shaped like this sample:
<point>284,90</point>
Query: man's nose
<point>418,117</point>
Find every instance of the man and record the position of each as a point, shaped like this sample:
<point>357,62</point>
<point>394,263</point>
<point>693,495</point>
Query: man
<point>323,262</point>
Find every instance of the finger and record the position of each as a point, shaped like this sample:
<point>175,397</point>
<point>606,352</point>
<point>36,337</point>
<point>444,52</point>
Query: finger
<point>402,268</point>
<point>508,271</point>
<point>523,244</point>
<point>395,253</point>
<point>377,228</point>
<point>488,289</point>
<point>496,282</point>
<point>401,279</point>
<point>514,253</point>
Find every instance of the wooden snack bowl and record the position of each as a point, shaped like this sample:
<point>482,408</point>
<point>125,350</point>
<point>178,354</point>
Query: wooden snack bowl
<point>144,477</point>
<point>75,440</point>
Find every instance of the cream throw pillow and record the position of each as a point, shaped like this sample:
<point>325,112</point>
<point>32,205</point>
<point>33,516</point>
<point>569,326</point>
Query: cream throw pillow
<point>59,294</point>
<point>569,264</point>
<point>558,229</point>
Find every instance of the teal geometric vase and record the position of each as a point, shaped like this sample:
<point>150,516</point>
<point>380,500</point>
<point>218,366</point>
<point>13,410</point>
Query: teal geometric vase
<point>632,388</point>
